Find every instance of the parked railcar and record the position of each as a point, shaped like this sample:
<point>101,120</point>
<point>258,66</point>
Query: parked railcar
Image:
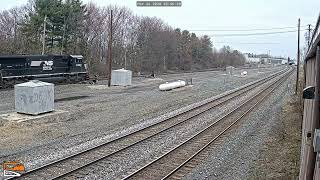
<point>20,68</point>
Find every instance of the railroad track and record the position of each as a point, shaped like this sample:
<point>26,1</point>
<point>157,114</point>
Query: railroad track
<point>176,162</point>
<point>68,166</point>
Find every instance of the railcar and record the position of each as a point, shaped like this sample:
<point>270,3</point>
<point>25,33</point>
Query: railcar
<point>51,68</point>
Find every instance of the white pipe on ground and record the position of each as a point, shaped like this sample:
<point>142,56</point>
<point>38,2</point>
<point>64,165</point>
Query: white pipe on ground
<point>172,85</point>
<point>244,73</point>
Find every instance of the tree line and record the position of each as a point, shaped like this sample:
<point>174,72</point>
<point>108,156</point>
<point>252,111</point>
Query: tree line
<point>140,43</point>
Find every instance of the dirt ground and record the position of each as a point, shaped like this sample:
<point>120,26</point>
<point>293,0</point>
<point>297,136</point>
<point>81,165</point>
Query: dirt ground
<point>280,156</point>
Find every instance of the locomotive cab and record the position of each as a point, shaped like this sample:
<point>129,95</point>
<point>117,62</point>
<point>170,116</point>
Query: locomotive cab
<point>76,62</point>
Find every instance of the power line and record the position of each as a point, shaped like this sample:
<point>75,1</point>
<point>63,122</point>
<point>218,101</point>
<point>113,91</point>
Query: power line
<point>252,34</point>
<point>256,43</point>
<point>262,29</point>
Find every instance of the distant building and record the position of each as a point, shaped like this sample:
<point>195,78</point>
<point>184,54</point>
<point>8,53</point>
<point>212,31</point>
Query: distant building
<point>264,59</point>
<point>250,58</point>
<point>277,60</point>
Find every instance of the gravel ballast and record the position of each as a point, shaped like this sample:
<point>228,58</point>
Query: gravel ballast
<point>237,153</point>
<point>104,114</point>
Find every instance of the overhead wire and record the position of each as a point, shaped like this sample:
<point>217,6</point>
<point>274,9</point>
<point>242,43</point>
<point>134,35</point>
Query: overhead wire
<point>268,31</point>
<point>258,29</point>
<point>251,34</point>
<point>255,43</point>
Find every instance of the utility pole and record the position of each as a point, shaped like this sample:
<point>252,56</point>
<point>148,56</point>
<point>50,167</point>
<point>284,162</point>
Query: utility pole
<point>110,51</point>
<point>125,58</point>
<point>44,34</point>
<point>52,40</point>
<point>164,63</point>
<point>14,49</point>
<point>309,34</point>
<point>298,57</point>
<point>63,35</point>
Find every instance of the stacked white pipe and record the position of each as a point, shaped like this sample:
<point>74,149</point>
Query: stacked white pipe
<point>172,85</point>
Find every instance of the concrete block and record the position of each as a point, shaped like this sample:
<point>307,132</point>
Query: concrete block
<point>121,77</point>
<point>229,70</point>
<point>34,97</point>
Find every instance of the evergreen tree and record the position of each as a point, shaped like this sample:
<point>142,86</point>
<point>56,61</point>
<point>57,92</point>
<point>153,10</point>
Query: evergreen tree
<point>73,18</point>
<point>63,22</point>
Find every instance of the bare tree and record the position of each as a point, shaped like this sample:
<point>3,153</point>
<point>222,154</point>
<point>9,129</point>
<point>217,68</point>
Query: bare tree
<point>142,44</point>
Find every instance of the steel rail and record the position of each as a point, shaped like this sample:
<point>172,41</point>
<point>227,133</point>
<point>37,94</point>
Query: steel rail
<point>220,134</point>
<point>52,164</point>
<point>140,170</point>
<point>148,137</point>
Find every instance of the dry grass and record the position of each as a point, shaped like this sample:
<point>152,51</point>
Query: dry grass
<point>280,156</point>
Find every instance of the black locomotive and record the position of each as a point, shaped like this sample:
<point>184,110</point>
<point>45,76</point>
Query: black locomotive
<point>51,68</point>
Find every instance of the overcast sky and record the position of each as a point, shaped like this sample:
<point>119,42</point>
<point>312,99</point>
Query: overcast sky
<point>231,15</point>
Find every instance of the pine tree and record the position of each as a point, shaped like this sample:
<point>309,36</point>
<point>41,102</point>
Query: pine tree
<point>63,21</point>
<point>73,18</point>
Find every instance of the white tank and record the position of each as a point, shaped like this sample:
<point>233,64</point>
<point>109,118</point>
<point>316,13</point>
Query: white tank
<point>172,85</point>
<point>244,73</point>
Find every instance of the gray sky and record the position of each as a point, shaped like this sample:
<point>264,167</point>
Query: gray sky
<point>231,15</point>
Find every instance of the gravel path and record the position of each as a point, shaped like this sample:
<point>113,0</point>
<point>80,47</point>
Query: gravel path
<point>104,114</point>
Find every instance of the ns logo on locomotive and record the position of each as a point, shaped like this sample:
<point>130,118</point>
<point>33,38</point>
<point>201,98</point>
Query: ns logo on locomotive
<point>51,68</point>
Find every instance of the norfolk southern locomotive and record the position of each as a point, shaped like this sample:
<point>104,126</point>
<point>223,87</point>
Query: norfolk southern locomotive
<point>20,68</point>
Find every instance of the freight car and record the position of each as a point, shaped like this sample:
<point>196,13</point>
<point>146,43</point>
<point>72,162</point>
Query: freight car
<point>20,68</point>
